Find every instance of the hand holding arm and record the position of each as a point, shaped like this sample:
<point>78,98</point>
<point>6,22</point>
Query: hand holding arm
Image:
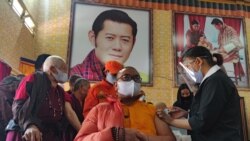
<point>32,133</point>
<point>177,112</point>
<point>179,123</point>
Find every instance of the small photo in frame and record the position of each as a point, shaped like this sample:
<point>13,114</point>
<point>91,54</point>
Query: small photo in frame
<point>222,35</point>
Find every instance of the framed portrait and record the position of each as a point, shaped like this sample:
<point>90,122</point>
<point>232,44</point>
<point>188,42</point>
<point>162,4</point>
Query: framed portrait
<point>221,35</point>
<point>243,119</point>
<point>99,34</point>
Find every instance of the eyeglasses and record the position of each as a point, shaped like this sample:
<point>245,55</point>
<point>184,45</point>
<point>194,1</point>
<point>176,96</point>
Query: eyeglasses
<point>188,63</point>
<point>127,77</point>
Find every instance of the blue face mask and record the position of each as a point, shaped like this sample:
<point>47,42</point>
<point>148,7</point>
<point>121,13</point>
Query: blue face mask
<point>60,77</point>
<point>110,78</point>
<point>198,76</point>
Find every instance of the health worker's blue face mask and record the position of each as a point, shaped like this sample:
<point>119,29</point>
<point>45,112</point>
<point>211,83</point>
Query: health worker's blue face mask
<point>197,76</point>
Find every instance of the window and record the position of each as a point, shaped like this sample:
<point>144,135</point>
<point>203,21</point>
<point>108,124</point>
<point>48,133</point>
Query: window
<point>29,24</point>
<point>19,7</point>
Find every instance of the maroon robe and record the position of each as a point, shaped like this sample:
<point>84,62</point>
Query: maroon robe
<point>37,103</point>
<point>70,132</point>
<point>8,87</point>
<point>5,69</point>
<point>6,98</point>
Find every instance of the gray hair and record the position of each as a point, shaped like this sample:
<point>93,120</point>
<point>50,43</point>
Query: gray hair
<point>53,60</point>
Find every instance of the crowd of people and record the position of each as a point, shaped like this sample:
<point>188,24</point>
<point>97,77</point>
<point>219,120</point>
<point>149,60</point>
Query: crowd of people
<point>114,108</point>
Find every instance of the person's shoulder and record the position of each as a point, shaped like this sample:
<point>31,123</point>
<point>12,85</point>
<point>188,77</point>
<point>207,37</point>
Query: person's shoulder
<point>98,85</point>
<point>151,106</point>
<point>146,105</point>
<point>229,28</point>
<point>218,74</point>
<point>40,75</point>
<point>104,106</point>
<point>29,78</point>
<point>67,97</point>
<point>76,69</point>
<point>79,68</point>
<point>219,77</point>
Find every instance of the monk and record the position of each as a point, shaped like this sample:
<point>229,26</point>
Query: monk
<point>38,106</point>
<point>74,106</point>
<point>72,80</point>
<point>101,90</point>
<point>126,118</point>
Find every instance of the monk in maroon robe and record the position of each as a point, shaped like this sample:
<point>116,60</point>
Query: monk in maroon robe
<point>74,107</point>
<point>38,106</point>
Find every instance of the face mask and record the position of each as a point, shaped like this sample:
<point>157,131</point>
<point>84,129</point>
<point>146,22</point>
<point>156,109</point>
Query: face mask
<point>197,75</point>
<point>110,78</point>
<point>60,77</point>
<point>128,88</point>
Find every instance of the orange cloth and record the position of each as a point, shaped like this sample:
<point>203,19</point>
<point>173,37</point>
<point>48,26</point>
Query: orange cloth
<point>140,116</point>
<point>97,94</point>
<point>113,67</point>
<point>98,123</point>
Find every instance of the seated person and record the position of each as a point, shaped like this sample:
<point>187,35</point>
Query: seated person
<point>184,97</point>
<point>74,106</point>
<point>126,118</point>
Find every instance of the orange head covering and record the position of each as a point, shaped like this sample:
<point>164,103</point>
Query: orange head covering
<point>113,67</point>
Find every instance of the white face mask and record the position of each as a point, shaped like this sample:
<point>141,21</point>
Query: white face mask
<point>110,78</point>
<point>60,77</point>
<point>128,88</point>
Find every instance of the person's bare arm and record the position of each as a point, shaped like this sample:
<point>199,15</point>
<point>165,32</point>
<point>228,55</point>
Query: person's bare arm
<point>164,133</point>
<point>71,116</point>
<point>179,123</point>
